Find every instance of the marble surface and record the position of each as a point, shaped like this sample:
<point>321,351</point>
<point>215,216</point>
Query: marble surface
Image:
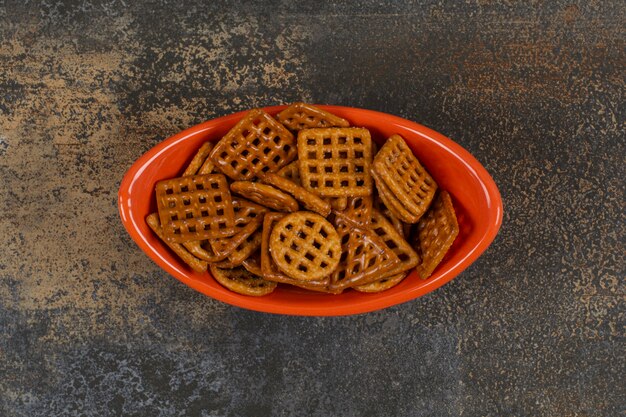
<point>89,326</point>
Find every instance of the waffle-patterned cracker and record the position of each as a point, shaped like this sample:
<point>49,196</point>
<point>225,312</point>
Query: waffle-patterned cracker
<point>195,208</point>
<point>395,243</point>
<point>335,162</point>
<point>269,270</point>
<point>300,116</point>
<point>399,173</point>
<point>305,246</point>
<point>436,232</point>
<point>196,264</point>
<point>242,282</point>
<point>256,145</point>
<point>364,256</point>
<point>266,195</point>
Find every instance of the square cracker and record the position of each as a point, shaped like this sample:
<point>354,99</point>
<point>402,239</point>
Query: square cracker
<point>397,169</point>
<point>257,144</point>
<point>364,256</point>
<point>436,231</point>
<point>395,242</point>
<point>335,162</point>
<point>196,207</point>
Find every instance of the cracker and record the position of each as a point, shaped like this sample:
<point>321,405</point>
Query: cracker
<point>395,242</point>
<point>266,195</point>
<point>364,256</point>
<point>374,149</point>
<point>436,232</point>
<point>227,246</point>
<point>248,217</point>
<point>242,282</point>
<point>196,264</point>
<point>269,269</point>
<point>335,162</point>
<point>309,200</point>
<point>256,145</point>
<point>195,208</point>
<point>405,178</point>
<point>305,246</point>
<point>300,116</point>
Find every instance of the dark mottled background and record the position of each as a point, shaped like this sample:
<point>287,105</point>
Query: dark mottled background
<point>534,89</point>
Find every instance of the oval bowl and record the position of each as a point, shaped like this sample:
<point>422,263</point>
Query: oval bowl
<point>475,197</point>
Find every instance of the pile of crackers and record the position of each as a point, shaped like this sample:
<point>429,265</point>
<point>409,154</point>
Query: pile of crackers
<point>307,200</point>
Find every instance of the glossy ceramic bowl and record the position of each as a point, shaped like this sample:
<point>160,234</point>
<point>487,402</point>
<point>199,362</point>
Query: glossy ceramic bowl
<point>475,196</point>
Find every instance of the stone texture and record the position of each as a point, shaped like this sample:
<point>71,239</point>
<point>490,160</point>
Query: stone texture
<point>90,326</point>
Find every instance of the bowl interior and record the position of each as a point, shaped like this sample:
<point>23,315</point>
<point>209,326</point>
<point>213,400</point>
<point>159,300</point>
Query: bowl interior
<point>475,197</point>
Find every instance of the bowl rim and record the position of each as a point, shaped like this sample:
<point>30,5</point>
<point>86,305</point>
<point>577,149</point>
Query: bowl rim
<point>361,304</point>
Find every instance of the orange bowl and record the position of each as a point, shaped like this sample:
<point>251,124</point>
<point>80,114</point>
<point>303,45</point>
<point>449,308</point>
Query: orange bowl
<point>475,196</point>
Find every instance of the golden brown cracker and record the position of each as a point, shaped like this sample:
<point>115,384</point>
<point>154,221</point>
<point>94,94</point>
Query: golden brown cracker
<point>364,256</point>
<point>399,170</point>
<point>335,162</point>
<point>436,232</point>
<point>195,208</point>
<point>390,201</point>
<point>395,243</point>
<point>291,172</point>
<point>269,269</point>
<point>359,209</point>
<point>243,251</point>
<point>256,145</point>
<point>202,249</point>
<point>305,246</point>
<point>253,263</point>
